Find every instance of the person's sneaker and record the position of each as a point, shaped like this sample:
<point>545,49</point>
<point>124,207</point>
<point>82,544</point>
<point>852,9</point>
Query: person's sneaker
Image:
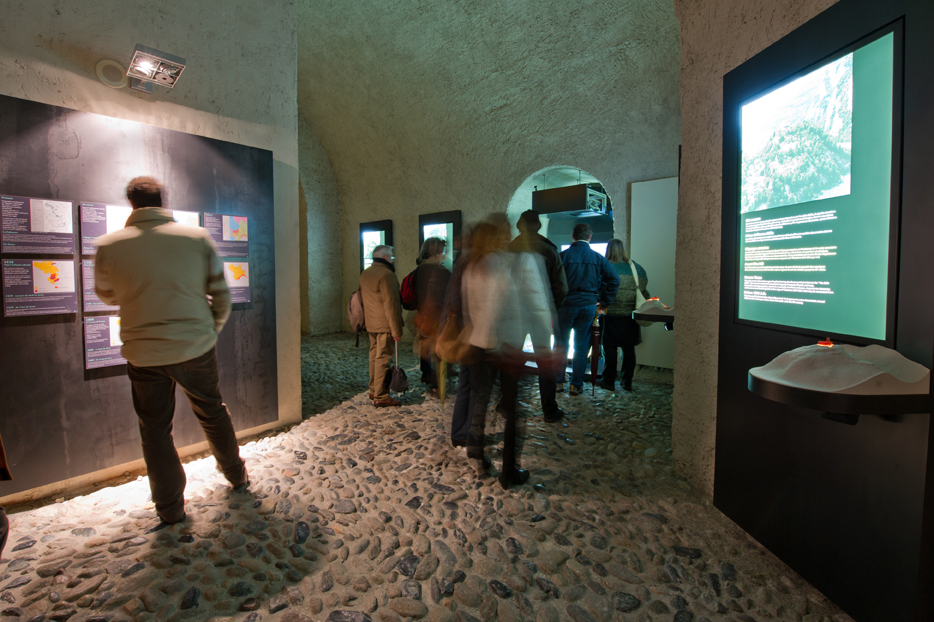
<point>515,477</point>
<point>241,489</point>
<point>573,390</point>
<point>389,401</point>
<point>555,418</point>
<point>560,387</point>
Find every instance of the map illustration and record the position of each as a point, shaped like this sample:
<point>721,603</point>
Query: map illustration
<point>237,274</point>
<point>50,216</point>
<point>797,140</point>
<point>235,229</point>
<point>53,277</point>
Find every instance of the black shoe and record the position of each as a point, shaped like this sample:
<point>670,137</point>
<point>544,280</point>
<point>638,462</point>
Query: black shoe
<point>458,443</point>
<point>242,488</point>
<point>627,387</point>
<point>555,418</point>
<point>607,385</point>
<point>513,477</point>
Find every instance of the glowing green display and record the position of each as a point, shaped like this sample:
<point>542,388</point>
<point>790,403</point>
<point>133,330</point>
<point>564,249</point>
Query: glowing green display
<point>815,198</point>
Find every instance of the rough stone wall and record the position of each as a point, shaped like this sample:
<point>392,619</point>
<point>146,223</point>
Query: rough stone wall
<point>238,86</point>
<point>451,104</point>
<point>320,223</point>
<point>716,37</point>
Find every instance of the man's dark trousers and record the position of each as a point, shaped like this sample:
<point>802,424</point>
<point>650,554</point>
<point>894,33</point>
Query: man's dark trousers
<point>154,400</point>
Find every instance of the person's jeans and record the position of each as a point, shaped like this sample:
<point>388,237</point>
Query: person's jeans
<point>579,319</point>
<point>154,400</point>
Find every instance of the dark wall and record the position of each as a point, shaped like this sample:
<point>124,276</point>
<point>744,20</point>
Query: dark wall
<point>847,507</point>
<point>57,420</point>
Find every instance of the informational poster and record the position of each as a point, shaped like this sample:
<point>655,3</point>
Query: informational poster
<point>38,287</point>
<point>98,219</point>
<point>36,226</point>
<point>230,234</point>
<point>90,300</point>
<point>102,342</point>
<point>189,219</point>
<point>237,275</point>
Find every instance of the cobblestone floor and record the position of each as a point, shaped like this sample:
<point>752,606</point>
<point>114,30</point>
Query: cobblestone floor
<point>364,514</point>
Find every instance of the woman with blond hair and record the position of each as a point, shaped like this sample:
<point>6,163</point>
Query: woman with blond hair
<point>618,328</point>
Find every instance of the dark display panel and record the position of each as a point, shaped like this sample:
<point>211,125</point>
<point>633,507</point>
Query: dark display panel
<point>58,419</point>
<point>230,234</point>
<point>38,287</point>
<point>848,507</point>
<point>35,225</point>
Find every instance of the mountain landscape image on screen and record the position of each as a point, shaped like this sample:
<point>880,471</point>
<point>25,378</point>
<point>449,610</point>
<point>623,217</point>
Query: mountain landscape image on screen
<point>797,140</point>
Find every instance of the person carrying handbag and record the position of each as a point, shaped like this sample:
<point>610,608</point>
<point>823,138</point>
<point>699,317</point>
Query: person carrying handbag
<point>618,328</point>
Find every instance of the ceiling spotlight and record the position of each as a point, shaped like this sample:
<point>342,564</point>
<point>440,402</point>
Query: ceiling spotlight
<point>149,66</point>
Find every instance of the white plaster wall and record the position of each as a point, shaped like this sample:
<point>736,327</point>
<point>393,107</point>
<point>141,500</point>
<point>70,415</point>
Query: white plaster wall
<point>319,213</point>
<point>48,50</point>
<point>452,104</point>
<point>716,37</point>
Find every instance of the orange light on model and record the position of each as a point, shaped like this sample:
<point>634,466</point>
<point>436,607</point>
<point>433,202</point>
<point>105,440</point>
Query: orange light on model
<point>827,344</point>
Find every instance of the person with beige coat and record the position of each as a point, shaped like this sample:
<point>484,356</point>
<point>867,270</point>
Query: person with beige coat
<point>382,308</point>
<point>169,284</point>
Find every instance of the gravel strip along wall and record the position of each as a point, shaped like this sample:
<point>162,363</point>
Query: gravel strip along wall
<point>369,514</point>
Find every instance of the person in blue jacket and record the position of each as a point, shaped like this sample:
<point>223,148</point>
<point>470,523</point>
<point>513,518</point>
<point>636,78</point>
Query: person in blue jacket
<point>592,285</point>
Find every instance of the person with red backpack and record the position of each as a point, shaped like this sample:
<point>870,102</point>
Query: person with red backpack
<point>382,308</point>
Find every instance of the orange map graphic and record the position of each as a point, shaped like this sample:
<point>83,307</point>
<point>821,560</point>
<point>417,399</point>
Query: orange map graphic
<point>238,271</point>
<point>49,268</point>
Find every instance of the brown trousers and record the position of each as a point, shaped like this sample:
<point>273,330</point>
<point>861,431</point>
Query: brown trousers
<point>154,400</point>
<point>381,346</point>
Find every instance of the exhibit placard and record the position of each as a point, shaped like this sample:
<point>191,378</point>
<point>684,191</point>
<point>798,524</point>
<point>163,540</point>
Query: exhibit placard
<point>102,342</point>
<point>38,287</point>
<point>98,219</point>
<point>237,275</point>
<point>41,226</point>
<point>90,301</point>
<point>230,234</point>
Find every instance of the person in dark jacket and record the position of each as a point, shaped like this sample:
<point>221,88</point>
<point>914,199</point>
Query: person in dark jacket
<point>592,285</point>
<point>529,241</point>
<point>431,282</point>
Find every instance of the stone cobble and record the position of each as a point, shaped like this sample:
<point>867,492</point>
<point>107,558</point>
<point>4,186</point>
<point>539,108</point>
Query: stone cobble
<point>362,514</point>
